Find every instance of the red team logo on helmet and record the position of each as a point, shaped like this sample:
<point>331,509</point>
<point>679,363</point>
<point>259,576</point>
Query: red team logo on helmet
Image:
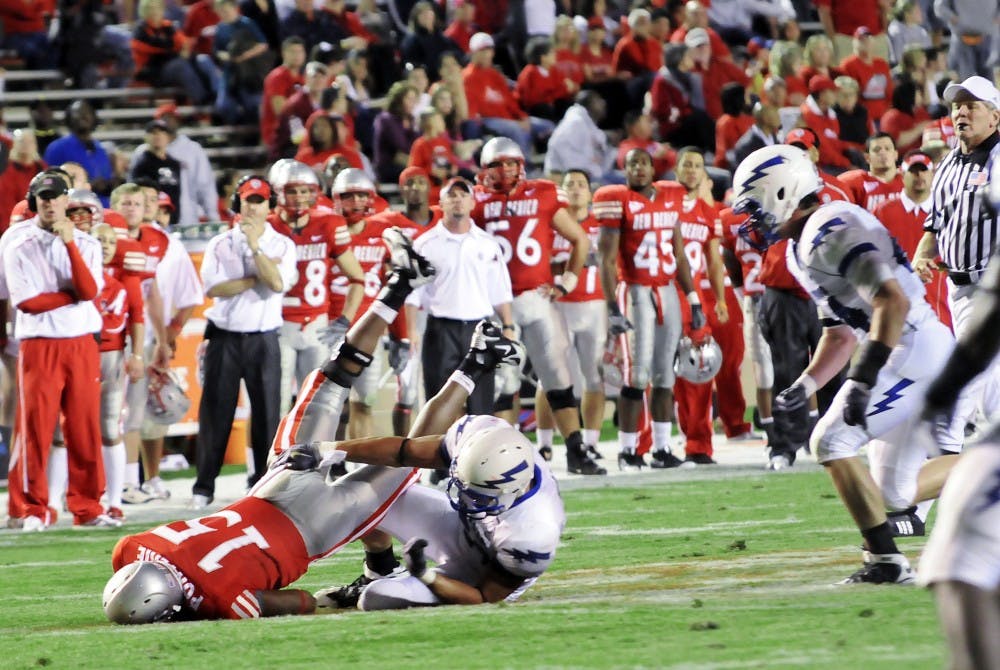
<point>496,173</point>
<point>354,193</point>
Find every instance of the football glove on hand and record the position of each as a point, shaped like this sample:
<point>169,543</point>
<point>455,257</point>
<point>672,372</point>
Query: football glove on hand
<point>398,354</point>
<point>856,402</point>
<point>617,323</point>
<point>791,413</point>
<point>335,332</point>
<point>414,559</point>
<point>697,317</point>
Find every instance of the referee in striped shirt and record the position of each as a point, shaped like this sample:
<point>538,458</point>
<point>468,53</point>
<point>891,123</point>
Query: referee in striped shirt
<point>961,227</point>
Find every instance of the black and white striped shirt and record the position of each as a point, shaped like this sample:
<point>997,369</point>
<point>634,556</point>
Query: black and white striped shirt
<point>966,230</point>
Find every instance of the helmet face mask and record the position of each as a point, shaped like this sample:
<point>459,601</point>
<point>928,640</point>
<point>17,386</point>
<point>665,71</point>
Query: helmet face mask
<point>760,230</point>
<point>493,469</point>
<point>143,592</point>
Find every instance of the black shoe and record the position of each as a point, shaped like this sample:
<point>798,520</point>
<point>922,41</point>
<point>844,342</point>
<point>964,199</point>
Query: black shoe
<point>630,459</point>
<point>579,463</point>
<point>906,523</point>
<point>699,459</point>
<point>342,597</point>
<point>663,459</point>
<point>593,452</point>
<point>403,259</point>
<point>489,348</point>
<point>883,569</point>
<point>545,452</point>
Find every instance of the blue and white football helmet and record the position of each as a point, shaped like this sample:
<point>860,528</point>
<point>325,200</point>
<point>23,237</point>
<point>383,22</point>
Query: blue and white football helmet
<point>768,186</point>
<point>494,467</point>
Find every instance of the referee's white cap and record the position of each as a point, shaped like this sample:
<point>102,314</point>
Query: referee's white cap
<point>976,87</point>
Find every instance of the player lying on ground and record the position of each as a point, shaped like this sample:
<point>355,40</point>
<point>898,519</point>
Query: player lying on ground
<point>228,564</point>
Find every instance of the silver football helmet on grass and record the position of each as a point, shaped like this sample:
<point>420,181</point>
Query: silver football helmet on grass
<point>143,592</point>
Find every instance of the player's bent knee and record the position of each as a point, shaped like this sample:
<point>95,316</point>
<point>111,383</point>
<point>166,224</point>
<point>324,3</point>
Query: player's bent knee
<point>631,393</point>
<point>396,594</point>
<point>561,398</point>
<point>639,377</point>
<point>504,402</point>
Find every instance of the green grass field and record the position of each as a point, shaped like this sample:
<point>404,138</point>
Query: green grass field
<point>709,568</point>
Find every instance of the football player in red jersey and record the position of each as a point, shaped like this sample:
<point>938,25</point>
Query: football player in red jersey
<point>523,215</point>
<point>701,245</point>
<point>354,193</point>
<point>120,304</point>
<point>883,181</point>
<point>586,318</point>
<point>233,563</point>
<point>641,247</point>
<point>321,240</point>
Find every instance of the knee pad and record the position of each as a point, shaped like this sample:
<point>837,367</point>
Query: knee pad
<point>504,402</point>
<point>349,352</point>
<point>333,371</point>
<point>561,398</point>
<point>631,393</point>
<point>639,377</point>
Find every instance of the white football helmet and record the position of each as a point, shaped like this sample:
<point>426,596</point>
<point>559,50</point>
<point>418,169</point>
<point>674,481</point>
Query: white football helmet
<point>768,186</point>
<point>81,197</point>
<point>298,174</point>
<point>494,176</point>
<point>353,180</point>
<point>278,174</point>
<point>494,467</point>
<point>167,401</point>
<point>143,592</point>
<point>698,362</point>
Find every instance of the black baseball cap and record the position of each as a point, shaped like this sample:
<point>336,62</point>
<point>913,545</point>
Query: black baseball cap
<point>48,184</point>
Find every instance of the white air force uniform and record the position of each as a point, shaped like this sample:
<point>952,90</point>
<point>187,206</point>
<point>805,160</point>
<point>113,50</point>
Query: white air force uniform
<point>842,258</point>
<point>522,540</point>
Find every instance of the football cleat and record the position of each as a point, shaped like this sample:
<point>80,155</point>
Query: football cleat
<point>779,462</point>
<point>630,459</point>
<point>883,569</point>
<point>906,523</point>
<point>417,269</point>
<point>346,597</point>
<point>134,495</point>
<point>155,489</point>
<point>545,452</point>
<point>593,452</point>
<point>99,521</point>
<point>199,502</point>
<point>490,349</point>
<point>116,513</point>
<point>700,459</point>
<point>579,463</point>
<point>663,459</point>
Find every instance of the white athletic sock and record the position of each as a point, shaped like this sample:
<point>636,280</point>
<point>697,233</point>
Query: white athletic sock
<point>766,420</point>
<point>661,435</point>
<point>814,414</point>
<point>114,472</point>
<point>251,467</point>
<point>132,474</point>
<point>924,508</point>
<point>544,437</point>
<point>591,437</point>
<point>58,475</point>
<point>628,441</point>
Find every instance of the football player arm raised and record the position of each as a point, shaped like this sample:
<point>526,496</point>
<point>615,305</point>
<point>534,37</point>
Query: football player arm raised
<point>349,265</point>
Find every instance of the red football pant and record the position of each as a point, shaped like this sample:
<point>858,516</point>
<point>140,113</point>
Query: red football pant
<point>694,401</point>
<point>56,375</point>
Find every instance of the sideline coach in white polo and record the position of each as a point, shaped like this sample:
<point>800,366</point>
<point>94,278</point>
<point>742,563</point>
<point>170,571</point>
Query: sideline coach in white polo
<point>471,284</point>
<point>245,270</point>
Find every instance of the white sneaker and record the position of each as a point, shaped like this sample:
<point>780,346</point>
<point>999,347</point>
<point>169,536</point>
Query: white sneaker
<point>100,521</point>
<point>199,501</point>
<point>156,489</point>
<point>134,495</point>
<point>779,462</point>
<point>32,524</point>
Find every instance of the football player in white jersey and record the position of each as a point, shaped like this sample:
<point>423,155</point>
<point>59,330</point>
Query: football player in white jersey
<point>868,299</point>
<point>961,562</point>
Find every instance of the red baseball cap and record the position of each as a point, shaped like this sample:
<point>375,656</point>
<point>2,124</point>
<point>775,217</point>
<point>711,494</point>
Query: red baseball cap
<point>802,137</point>
<point>862,31</point>
<point>411,172</point>
<point>163,200</point>
<point>917,159</point>
<point>255,186</point>
<point>819,83</point>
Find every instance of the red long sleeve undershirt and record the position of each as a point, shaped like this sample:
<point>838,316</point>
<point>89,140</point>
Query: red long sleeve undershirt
<point>84,287</point>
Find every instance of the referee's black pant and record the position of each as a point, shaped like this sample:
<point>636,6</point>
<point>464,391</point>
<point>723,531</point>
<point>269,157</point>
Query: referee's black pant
<point>230,357</point>
<point>446,341</point>
<point>791,327</point>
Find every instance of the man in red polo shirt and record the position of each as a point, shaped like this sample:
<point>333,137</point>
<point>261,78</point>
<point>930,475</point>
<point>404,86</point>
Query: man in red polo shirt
<point>279,84</point>
<point>841,18</point>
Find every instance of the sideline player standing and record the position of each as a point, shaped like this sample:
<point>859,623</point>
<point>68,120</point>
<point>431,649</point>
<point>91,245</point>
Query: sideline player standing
<point>883,181</point>
<point>53,273</point>
<point>523,215</point>
<point>641,245</point>
<point>867,294</point>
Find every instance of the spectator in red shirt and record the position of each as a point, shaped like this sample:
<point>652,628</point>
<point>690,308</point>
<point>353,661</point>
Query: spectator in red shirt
<point>786,62</point>
<point>199,25</point>
<point>161,54</point>
<point>871,73</point>
<point>818,115</point>
<point>841,18</point>
<point>714,73</point>
<point>297,110</point>
<point>433,152</point>
<point>566,45</point>
<point>463,26</point>
<point>638,56</point>
<point>541,88</point>
<point>639,129</point>
<point>818,57</point>
<point>279,84</point>
<point>24,31</point>
<point>22,165</point>
<point>696,16</point>
<point>327,138</point>
<point>907,117</point>
<point>492,103</point>
<point>731,126</point>
<point>677,101</point>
